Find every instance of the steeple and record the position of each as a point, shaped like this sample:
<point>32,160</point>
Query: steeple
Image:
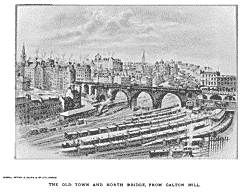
<point>23,55</point>
<point>143,57</point>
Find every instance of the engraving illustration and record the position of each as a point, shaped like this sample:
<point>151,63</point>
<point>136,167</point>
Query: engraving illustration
<point>126,82</point>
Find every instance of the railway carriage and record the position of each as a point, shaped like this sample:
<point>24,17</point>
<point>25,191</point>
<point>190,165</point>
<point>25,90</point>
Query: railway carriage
<point>134,133</point>
<point>131,125</point>
<point>52,129</point>
<point>112,137</point>
<point>148,138</point>
<point>120,144</point>
<point>134,118</point>
<point>87,149</point>
<point>69,150</point>
<point>146,123</point>
<point>104,139</point>
<point>176,152</point>
<point>112,128</point>
<point>103,130</point>
<point>135,141</point>
<point>173,125</point>
<point>122,136</point>
<point>80,121</point>
<point>159,135</point>
<point>200,126</point>
<point>71,135</point>
<point>161,120</point>
<point>143,117</point>
<point>171,133</point>
<point>193,141</point>
<point>121,127</point>
<point>148,116</point>
<point>93,131</point>
<point>133,129</point>
<point>139,124</point>
<point>162,127</point>
<point>65,125</point>
<point>71,144</point>
<point>154,129</point>
<point>154,122</point>
<point>83,133</point>
<point>72,124</point>
<point>65,145</point>
<point>34,132</point>
<point>165,133</point>
<point>103,147</point>
<point>43,130</point>
<point>91,141</point>
<point>158,153</point>
<point>145,131</point>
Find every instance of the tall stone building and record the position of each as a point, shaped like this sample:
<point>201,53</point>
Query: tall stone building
<point>83,72</point>
<point>208,79</point>
<point>108,63</point>
<point>30,110</point>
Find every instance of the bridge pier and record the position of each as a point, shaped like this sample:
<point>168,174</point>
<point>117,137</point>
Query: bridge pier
<point>96,93</point>
<point>133,103</point>
<point>90,89</point>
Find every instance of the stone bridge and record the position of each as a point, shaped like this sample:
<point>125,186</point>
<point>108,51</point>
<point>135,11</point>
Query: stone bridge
<point>105,91</point>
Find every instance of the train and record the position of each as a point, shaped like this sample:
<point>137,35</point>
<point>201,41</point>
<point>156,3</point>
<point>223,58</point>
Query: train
<point>163,130</point>
<point>120,127</point>
<point>94,145</point>
<point>36,131</point>
<point>131,123</point>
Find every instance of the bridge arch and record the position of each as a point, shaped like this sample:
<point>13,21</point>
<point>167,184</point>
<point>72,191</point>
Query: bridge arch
<point>229,98</point>
<point>134,98</point>
<point>215,97</point>
<point>116,91</point>
<point>176,100</point>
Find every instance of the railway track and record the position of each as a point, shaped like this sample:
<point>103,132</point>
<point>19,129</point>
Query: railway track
<point>129,152</point>
<point>52,138</point>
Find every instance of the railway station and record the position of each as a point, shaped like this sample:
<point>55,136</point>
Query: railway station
<point>83,112</point>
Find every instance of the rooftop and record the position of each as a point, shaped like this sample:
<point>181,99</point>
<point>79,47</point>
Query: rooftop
<point>87,107</point>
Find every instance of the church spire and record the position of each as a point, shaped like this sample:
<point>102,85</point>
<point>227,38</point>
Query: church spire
<point>143,57</point>
<point>23,55</point>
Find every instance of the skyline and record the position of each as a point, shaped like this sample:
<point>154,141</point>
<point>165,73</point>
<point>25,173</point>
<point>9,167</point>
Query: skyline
<point>202,35</point>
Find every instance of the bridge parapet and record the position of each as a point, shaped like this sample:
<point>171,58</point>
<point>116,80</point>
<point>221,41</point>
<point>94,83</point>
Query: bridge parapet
<point>218,93</point>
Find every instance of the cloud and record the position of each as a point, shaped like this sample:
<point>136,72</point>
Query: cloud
<point>188,31</point>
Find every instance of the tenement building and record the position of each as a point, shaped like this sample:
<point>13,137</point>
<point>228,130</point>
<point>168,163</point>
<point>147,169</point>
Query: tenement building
<point>83,72</point>
<point>28,110</point>
<point>208,79</point>
<point>107,63</point>
<point>227,83</point>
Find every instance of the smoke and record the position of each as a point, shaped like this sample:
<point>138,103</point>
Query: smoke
<point>70,56</point>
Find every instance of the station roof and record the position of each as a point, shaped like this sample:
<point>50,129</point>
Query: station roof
<point>87,107</point>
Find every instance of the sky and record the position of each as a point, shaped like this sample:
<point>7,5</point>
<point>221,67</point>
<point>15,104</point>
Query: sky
<point>202,35</point>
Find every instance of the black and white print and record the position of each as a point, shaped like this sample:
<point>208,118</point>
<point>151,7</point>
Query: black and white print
<point>126,82</point>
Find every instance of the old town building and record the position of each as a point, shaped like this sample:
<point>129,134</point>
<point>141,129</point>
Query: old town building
<point>146,80</point>
<point>29,111</point>
<point>83,73</point>
<point>208,79</point>
<point>103,76</point>
<point>22,83</point>
<point>227,83</point>
<point>166,68</point>
<point>107,63</point>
